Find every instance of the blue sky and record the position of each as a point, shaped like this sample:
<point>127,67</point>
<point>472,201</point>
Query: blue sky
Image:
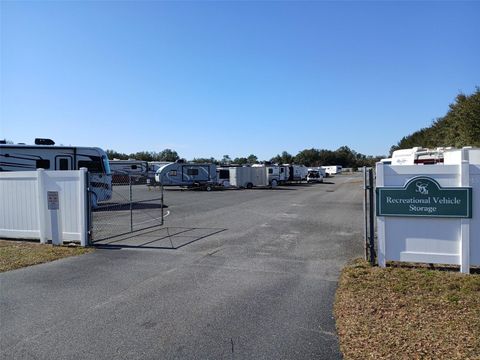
<point>236,78</point>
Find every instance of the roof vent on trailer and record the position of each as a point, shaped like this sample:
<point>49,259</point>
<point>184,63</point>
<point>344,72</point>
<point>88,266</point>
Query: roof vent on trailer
<point>39,141</point>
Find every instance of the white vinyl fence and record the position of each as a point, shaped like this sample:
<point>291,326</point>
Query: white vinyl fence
<point>427,237</point>
<point>29,207</point>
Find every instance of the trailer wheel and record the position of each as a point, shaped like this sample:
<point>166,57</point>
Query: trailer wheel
<point>249,185</point>
<point>274,183</point>
<point>208,188</point>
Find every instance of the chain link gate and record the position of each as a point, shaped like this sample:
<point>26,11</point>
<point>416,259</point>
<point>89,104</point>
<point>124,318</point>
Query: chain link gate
<point>127,206</point>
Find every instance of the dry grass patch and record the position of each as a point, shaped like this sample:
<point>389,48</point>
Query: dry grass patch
<point>18,254</point>
<point>407,313</point>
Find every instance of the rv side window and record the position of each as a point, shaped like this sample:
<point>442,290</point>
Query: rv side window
<point>270,171</point>
<point>63,164</point>
<point>134,167</point>
<point>43,164</point>
<point>92,166</point>
<point>173,173</point>
<point>192,172</point>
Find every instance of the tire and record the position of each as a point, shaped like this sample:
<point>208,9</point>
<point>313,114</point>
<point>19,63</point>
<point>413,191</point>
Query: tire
<point>249,185</point>
<point>274,183</point>
<point>208,188</point>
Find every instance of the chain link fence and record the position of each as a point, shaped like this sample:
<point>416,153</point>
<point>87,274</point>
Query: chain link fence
<point>126,205</point>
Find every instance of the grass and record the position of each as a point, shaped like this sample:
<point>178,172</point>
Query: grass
<point>407,313</point>
<point>18,254</point>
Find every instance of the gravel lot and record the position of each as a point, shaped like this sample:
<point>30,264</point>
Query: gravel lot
<point>252,275</point>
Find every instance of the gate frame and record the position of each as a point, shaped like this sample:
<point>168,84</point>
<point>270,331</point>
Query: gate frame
<point>89,211</point>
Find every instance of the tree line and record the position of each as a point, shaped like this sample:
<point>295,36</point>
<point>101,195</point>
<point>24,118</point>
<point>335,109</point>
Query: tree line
<point>343,156</point>
<point>459,127</point>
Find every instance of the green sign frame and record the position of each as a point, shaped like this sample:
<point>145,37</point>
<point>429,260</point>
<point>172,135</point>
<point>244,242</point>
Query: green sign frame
<point>423,196</point>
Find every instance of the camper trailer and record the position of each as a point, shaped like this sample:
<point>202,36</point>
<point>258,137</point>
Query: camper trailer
<point>187,174</point>
<point>332,169</point>
<point>45,155</point>
<point>124,171</point>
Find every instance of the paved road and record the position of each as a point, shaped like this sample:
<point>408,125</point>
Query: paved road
<point>262,288</point>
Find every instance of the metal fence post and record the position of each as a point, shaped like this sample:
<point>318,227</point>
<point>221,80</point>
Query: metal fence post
<point>371,213</point>
<point>131,202</point>
<point>365,212</point>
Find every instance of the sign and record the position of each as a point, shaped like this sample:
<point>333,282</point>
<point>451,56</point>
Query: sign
<point>423,196</point>
<point>52,199</point>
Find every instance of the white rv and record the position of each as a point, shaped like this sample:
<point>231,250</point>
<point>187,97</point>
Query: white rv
<point>332,169</point>
<point>44,155</point>
<point>187,174</point>
<point>124,170</point>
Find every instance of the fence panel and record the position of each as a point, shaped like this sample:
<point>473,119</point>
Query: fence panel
<point>24,210</point>
<point>133,206</point>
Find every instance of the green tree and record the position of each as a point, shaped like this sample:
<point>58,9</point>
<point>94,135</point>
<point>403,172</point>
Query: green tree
<point>252,159</point>
<point>459,127</point>
<point>112,154</point>
<point>168,155</point>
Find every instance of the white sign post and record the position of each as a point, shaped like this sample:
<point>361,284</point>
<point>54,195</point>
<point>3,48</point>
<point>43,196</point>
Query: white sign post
<point>53,205</point>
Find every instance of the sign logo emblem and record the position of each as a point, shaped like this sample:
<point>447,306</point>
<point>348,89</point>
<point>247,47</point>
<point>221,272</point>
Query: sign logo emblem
<point>421,188</point>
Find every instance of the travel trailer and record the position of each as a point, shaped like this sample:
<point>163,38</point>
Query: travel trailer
<point>332,169</point>
<point>187,174</point>
<point>124,171</point>
<point>45,155</point>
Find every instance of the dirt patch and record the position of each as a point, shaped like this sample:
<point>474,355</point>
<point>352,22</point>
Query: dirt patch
<point>407,313</point>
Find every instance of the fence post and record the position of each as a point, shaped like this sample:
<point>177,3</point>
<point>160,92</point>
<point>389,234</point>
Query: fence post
<point>82,206</point>
<point>464,223</point>
<point>131,202</point>
<point>365,212</point>
<point>380,182</point>
<point>372,219</point>
<point>41,205</point>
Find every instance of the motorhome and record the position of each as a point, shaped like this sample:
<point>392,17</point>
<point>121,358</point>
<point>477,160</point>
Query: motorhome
<point>125,171</point>
<point>332,169</point>
<point>187,174</point>
<point>45,155</point>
